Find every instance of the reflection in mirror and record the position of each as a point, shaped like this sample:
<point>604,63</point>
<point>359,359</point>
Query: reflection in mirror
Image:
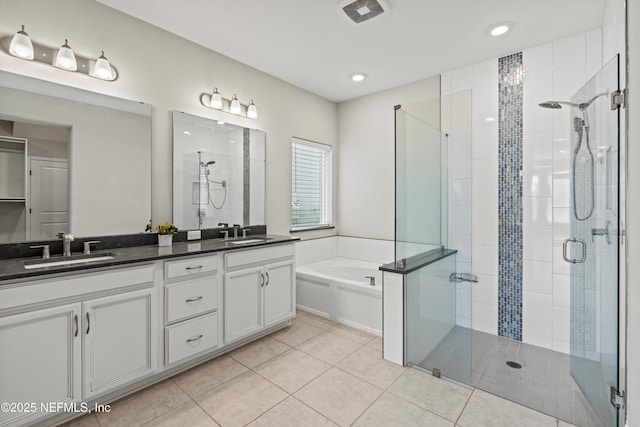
<point>71,161</point>
<point>218,173</point>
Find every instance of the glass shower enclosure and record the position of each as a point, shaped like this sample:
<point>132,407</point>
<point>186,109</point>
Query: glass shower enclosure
<point>433,339</point>
<point>421,187</point>
<point>593,248</point>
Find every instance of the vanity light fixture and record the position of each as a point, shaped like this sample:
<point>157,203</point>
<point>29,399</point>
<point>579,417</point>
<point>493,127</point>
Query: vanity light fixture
<point>102,69</point>
<point>234,108</point>
<point>252,111</point>
<point>21,45</point>
<point>66,58</point>
<point>216,101</point>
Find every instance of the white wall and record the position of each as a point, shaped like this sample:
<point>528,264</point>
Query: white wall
<point>171,73</point>
<point>366,157</point>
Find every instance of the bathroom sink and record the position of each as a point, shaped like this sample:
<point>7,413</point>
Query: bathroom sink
<point>58,261</point>
<point>247,241</point>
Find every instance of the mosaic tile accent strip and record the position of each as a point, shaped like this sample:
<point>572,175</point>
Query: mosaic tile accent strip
<point>510,73</point>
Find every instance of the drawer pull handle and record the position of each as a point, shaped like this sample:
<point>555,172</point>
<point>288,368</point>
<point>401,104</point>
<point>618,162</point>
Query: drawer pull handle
<point>267,284</point>
<point>88,324</point>
<point>198,267</point>
<point>199,337</point>
<point>75,319</point>
<point>193,299</point>
<point>261,280</point>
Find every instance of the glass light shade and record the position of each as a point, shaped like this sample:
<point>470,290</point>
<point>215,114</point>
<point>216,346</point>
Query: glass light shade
<point>102,69</point>
<point>21,45</point>
<point>234,108</point>
<point>252,111</point>
<point>66,58</point>
<point>216,99</point>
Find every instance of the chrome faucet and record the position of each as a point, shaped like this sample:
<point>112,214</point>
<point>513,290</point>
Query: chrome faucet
<point>236,228</point>
<point>67,238</point>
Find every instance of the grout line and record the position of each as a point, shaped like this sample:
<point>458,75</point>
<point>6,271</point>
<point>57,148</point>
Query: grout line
<point>465,405</point>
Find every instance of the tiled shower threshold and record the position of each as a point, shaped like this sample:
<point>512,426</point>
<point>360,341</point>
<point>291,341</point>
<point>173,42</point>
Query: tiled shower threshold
<point>543,382</point>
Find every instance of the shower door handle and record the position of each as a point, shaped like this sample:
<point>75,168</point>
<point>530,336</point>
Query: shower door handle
<point>574,260</point>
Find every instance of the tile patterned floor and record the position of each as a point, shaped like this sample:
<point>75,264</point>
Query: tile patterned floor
<point>313,373</point>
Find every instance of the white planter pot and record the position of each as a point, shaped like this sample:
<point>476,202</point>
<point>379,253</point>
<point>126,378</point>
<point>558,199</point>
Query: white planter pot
<point>165,239</point>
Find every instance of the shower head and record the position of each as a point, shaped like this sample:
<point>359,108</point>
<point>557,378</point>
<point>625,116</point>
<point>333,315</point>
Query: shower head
<point>208,163</point>
<point>554,105</point>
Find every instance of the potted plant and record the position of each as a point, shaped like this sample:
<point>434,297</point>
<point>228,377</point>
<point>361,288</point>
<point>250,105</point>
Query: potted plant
<point>165,234</point>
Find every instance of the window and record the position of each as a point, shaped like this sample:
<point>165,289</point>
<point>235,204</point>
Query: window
<point>310,184</point>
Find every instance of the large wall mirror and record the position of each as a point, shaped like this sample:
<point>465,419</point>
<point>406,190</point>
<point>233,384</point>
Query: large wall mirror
<point>218,173</point>
<point>71,160</point>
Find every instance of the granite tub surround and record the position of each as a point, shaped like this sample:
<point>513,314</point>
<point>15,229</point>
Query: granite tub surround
<point>13,268</point>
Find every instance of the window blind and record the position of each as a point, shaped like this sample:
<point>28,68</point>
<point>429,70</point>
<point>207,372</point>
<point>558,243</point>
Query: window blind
<point>310,184</point>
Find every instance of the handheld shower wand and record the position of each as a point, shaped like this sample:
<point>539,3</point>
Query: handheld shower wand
<point>581,127</point>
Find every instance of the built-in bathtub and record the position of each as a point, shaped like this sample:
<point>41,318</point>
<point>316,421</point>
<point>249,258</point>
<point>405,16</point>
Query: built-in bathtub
<point>338,289</point>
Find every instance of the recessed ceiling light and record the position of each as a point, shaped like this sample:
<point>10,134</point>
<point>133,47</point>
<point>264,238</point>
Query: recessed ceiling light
<point>358,77</point>
<point>499,30</point>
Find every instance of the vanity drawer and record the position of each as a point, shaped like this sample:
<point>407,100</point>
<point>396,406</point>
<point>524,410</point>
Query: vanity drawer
<point>191,337</point>
<point>190,266</point>
<point>190,298</point>
<point>258,256</point>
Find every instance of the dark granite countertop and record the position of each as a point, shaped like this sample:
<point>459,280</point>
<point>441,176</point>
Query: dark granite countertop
<point>13,269</point>
<point>417,261</point>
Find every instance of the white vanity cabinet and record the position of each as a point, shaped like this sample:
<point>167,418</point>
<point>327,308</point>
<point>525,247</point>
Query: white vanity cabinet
<point>95,334</point>
<point>192,305</point>
<point>40,360</point>
<point>119,340</point>
<point>259,290</point>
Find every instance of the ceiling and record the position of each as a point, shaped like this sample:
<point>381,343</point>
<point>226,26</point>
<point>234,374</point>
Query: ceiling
<point>308,43</point>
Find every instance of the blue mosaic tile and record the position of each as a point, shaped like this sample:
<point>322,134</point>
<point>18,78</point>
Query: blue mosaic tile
<point>510,104</point>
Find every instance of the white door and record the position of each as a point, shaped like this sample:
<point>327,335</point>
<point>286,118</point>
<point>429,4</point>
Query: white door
<point>279,292</point>
<point>119,340</point>
<point>48,198</point>
<point>40,360</point>
<point>242,303</point>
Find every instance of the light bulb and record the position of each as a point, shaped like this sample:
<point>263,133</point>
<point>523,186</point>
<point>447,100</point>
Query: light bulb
<point>216,99</point>
<point>252,111</point>
<point>21,45</point>
<point>102,69</point>
<point>234,108</point>
<point>66,58</point>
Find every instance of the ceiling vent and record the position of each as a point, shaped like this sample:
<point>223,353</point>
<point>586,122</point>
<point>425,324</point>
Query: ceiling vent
<point>360,11</point>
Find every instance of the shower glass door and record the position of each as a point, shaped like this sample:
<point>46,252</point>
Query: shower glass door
<point>593,246</point>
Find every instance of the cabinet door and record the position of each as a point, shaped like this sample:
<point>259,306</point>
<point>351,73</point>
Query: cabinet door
<point>40,359</point>
<point>279,297</point>
<point>242,303</point>
<point>119,340</point>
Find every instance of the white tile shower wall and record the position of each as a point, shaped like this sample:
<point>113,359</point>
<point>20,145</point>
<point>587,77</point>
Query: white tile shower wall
<point>456,120</point>
<point>552,71</point>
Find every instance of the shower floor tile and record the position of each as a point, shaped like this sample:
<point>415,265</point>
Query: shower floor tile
<point>543,382</point>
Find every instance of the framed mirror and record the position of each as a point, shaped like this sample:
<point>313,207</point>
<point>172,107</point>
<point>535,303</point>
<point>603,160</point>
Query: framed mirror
<point>218,173</point>
<point>85,161</point>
